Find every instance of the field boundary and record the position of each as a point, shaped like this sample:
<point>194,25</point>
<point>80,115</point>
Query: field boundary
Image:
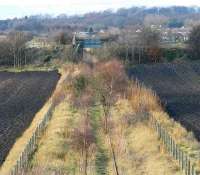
<point>18,158</point>
<point>28,69</point>
<point>173,149</point>
<point>30,147</point>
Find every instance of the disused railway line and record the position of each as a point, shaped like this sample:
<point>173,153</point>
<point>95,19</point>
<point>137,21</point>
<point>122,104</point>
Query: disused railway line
<point>113,155</point>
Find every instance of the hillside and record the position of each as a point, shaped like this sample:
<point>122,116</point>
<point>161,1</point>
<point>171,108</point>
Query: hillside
<point>175,16</point>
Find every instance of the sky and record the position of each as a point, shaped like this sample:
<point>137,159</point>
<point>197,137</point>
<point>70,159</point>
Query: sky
<point>20,8</point>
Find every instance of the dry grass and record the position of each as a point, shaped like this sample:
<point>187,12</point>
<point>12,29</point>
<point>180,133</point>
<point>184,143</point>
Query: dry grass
<point>143,99</point>
<point>21,142</point>
<point>136,145</point>
<point>54,152</point>
<point>182,137</point>
<point>149,160</point>
<point>127,113</point>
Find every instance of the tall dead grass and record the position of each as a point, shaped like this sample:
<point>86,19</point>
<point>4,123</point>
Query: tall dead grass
<point>143,99</point>
<point>131,101</point>
<point>135,144</point>
<point>138,100</point>
<point>186,140</point>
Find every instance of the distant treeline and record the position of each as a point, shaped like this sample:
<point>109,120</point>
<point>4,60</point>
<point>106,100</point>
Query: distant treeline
<point>175,16</point>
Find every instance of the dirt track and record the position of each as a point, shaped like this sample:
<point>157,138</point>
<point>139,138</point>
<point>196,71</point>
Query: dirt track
<point>178,86</point>
<point>21,96</point>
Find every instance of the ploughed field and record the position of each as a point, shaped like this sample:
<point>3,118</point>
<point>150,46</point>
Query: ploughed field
<point>178,86</point>
<point>21,97</point>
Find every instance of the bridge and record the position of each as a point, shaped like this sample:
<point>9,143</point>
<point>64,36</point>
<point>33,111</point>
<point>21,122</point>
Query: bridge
<point>85,40</point>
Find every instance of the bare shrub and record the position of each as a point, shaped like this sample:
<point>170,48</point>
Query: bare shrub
<point>111,84</point>
<point>112,76</point>
<point>82,138</point>
<point>83,93</point>
<point>80,84</point>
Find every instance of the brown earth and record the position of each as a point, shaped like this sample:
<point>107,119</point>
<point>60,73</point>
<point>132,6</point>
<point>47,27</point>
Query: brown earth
<point>178,86</point>
<point>21,97</point>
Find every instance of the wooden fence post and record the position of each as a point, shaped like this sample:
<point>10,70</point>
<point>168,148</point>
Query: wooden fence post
<point>173,149</point>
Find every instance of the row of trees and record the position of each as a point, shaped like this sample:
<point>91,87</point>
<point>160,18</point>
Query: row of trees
<point>13,50</point>
<point>134,47</point>
<point>145,46</point>
<point>194,43</point>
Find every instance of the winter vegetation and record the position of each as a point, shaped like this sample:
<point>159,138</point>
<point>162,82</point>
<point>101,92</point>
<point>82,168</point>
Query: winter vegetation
<point>105,99</point>
<point>135,35</point>
<point>100,126</point>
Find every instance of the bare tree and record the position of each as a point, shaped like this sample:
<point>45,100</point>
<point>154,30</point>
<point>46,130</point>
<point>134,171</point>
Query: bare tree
<point>112,81</point>
<point>6,57</point>
<point>150,43</point>
<point>83,98</point>
<point>63,37</point>
<point>82,138</point>
<point>18,41</point>
<point>136,45</point>
<point>194,42</point>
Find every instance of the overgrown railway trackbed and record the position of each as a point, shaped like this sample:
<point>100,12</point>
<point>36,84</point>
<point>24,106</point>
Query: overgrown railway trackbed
<point>113,155</point>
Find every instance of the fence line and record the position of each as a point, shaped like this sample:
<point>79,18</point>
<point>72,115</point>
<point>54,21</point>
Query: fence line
<point>171,147</point>
<point>22,162</point>
<point>183,159</point>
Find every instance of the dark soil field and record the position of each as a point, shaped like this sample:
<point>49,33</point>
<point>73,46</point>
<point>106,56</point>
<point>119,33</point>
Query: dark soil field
<point>178,86</point>
<point>21,97</point>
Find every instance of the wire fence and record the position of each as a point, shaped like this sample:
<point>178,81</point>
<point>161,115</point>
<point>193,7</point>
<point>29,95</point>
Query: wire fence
<point>22,162</point>
<point>183,159</point>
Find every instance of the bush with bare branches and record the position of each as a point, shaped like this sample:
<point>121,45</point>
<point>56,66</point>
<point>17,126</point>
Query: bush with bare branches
<point>82,138</point>
<point>112,82</point>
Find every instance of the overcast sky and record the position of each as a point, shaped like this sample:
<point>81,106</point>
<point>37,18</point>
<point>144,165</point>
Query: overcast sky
<point>18,8</point>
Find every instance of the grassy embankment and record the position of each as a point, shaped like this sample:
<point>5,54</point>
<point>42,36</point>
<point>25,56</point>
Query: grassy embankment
<point>56,152</point>
<point>21,142</point>
<point>135,144</point>
<point>29,68</point>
